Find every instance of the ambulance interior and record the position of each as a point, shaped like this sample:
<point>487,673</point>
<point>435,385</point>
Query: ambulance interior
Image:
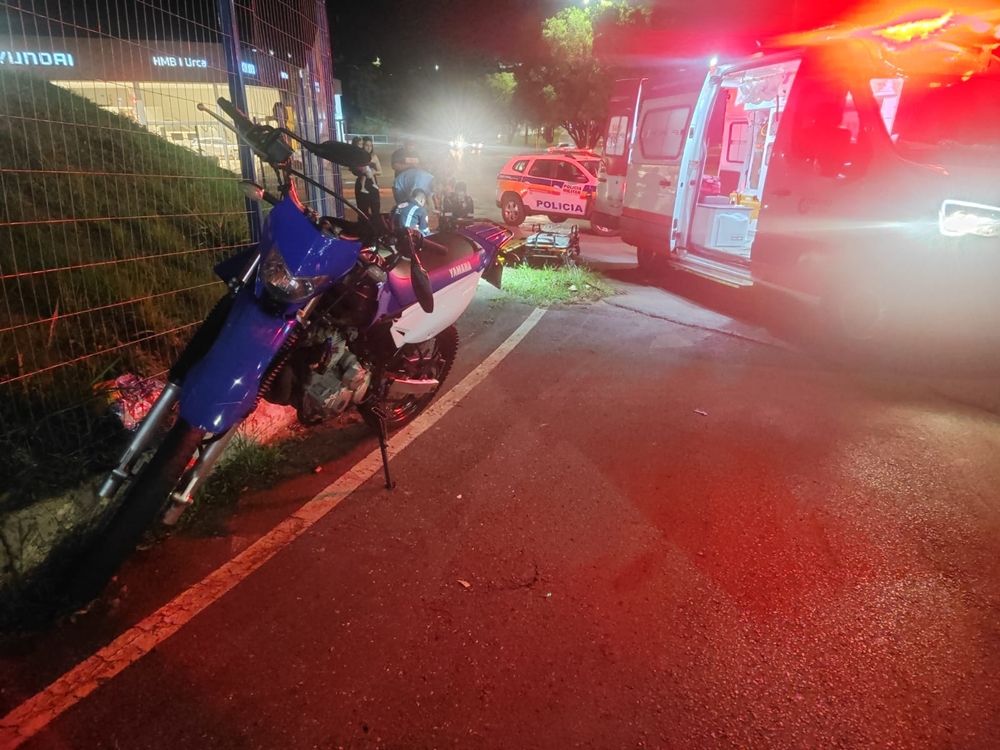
<point>739,138</point>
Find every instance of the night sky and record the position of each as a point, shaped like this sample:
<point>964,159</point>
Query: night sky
<point>444,31</point>
<point>475,31</point>
<point>414,33</point>
<point>469,38</point>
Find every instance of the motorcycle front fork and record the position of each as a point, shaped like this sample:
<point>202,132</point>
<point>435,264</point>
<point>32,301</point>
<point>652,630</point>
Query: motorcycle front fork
<point>196,474</point>
<point>208,455</point>
<point>183,497</point>
<point>143,437</point>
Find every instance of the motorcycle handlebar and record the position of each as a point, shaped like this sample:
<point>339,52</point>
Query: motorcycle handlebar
<point>273,145</point>
<point>234,113</point>
<point>264,138</point>
<point>266,141</point>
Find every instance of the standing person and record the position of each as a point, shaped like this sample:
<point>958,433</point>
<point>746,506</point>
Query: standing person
<point>359,198</point>
<point>405,157</point>
<point>364,184</point>
<point>369,145</point>
<point>366,189</point>
<point>410,179</point>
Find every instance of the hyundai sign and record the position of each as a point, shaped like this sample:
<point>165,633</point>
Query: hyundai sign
<point>37,59</point>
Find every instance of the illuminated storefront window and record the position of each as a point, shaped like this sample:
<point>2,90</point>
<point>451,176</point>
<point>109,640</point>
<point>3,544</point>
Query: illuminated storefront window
<point>159,84</point>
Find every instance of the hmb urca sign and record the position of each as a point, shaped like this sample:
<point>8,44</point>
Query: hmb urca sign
<point>37,59</point>
<point>170,61</point>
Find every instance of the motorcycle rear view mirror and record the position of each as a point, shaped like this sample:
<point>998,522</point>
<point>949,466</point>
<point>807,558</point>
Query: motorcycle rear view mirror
<point>421,284</point>
<point>407,243</point>
<point>344,154</point>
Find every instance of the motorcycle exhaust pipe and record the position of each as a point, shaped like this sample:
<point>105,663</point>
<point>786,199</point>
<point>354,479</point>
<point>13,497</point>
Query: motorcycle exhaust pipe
<point>400,387</point>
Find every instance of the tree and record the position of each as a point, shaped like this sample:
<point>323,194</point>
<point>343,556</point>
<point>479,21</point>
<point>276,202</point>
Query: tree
<point>568,86</point>
<point>371,98</point>
<point>501,88</point>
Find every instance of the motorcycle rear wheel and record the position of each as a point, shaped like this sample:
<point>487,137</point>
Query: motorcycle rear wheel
<point>435,363</point>
<point>144,499</point>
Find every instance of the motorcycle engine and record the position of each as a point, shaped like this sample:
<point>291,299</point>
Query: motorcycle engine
<point>338,381</point>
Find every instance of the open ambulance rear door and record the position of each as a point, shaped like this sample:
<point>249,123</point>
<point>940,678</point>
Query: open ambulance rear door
<point>617,142</point>
<point>652,175</point>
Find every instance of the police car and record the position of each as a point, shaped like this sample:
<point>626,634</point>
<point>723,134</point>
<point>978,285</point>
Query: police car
<point>561,184</point>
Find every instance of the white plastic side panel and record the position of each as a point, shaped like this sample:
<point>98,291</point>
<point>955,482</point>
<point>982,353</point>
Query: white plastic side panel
<point>414,325</point>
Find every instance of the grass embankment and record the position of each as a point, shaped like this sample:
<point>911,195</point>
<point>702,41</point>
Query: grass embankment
<point>559,285</point>
<point>109,235</point>
<point>247,463</point>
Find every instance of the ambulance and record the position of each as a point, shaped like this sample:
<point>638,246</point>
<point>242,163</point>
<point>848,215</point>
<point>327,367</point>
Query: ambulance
<point>560,183</point>
<point>858,170</point>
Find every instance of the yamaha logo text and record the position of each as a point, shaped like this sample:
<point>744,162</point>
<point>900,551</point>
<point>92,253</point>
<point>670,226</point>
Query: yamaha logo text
<point>460,269</point>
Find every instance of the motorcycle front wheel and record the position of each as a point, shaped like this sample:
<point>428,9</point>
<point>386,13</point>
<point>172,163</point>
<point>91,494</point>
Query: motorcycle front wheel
<point>143,502</point>
<point>428,359</point>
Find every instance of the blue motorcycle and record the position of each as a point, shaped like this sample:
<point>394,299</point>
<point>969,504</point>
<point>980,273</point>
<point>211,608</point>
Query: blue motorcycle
<point>324,314</point>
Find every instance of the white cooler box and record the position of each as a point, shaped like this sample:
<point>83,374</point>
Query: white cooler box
<point>725,228</point>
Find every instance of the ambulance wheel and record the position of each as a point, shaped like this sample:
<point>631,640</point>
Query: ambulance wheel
<point>512,210</point>
<point>647,260</point>
<point>557,218</point>
<point>855,311</point>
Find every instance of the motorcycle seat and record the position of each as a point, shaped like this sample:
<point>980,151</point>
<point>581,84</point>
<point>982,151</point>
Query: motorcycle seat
<point>463,257</point>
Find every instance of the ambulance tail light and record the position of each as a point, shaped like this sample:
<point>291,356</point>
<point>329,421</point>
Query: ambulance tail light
<point>959,219</point>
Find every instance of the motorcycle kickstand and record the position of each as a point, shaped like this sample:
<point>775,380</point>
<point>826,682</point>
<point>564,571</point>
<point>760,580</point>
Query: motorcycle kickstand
<point>383,444</point>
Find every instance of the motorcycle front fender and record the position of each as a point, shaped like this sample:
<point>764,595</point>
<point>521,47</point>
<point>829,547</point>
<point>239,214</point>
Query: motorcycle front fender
<point>221,389</point>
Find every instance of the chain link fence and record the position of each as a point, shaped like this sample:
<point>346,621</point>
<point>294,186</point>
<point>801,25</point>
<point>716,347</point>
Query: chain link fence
<point>119,197</point>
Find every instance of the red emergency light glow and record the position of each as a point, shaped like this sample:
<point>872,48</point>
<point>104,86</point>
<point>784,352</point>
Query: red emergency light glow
<point>910,30</point>
<point>915,39</point>
<point>971,25</point>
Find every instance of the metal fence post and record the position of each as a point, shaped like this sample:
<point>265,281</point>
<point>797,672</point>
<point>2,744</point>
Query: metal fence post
<point>307,102</point>
<point>237,92</point>
<point>325,61</point>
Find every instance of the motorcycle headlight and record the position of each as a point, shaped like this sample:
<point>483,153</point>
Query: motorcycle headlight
<point>959,218</point>
<point>280,283</point>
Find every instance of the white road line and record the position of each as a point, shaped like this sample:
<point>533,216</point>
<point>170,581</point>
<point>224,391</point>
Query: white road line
<point>37,712</point>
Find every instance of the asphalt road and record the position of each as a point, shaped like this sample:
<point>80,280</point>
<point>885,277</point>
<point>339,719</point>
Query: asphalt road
<point>674,535</point>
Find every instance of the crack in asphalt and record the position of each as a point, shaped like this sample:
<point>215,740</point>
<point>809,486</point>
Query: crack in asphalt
<point>924,381</point>
<point>697,326</point>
